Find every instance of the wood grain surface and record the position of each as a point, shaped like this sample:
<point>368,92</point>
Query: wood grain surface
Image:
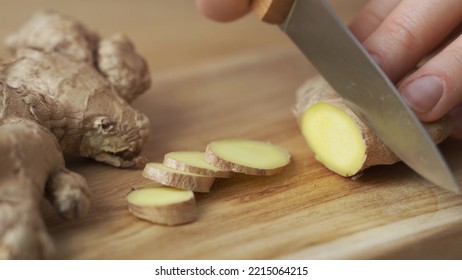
<point>214,81</point>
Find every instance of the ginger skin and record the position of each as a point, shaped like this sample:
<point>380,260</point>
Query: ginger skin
<point>22,184</point>
<point>55,100</point>
<point>94,121</point>
<point>98,121</point>
<point>340,140</point>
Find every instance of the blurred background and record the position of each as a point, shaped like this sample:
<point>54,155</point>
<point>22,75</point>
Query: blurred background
<point>171,34</point>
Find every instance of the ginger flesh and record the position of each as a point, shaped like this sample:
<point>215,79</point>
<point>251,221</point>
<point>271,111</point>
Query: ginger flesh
<point>247,156</point>
<point>193,161</point>
<point>322,126</point>
<point>160,196</point>
<point>338,137</point>
<point>163,205</point>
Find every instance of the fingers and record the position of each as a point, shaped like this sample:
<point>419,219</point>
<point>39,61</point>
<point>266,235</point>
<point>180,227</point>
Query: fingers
<point>400,33</point>
<point>412,30</point>
<point>223,10</point>
<point>436,87</point>
<point>370,17</point>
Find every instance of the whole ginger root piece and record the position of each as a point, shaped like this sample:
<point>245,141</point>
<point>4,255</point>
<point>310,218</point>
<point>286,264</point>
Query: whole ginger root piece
<point>55,99</point>
<point>96,120</point>
<point>340,140</point>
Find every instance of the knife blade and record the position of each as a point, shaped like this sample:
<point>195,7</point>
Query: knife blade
<point>329,45</point>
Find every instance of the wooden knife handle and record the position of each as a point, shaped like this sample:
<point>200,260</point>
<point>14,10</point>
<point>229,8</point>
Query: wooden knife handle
<point>272,11</point>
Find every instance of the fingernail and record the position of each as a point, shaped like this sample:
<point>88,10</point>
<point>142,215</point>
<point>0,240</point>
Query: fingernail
<point>424,93</point>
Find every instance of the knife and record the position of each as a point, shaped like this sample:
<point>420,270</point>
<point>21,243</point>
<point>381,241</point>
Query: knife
<point>329,45</point>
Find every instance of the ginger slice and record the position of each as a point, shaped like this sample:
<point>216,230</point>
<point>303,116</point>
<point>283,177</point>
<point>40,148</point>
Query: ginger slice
<point>163,205</point>
<point>193,161</point>
<point>177,178</point>
<point>247,156</point>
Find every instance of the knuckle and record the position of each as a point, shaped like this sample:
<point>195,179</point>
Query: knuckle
<point>455,55</point>
<point>372,17</point>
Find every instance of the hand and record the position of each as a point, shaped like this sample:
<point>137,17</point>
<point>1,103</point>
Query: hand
<point>399,34</point>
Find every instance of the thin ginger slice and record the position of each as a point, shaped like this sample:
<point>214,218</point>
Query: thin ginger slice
<point>163,205</point>
<point>247,156</point>
<point>193,161</point>
<point>177,178</point>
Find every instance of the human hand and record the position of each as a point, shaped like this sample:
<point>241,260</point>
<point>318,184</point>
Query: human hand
<point>399,34</point>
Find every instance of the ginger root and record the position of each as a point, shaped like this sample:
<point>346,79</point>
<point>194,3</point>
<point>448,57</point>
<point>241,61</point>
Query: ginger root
<point>58,58</point>
<point>65,90</point>
<point>32,164</point>
<point>339,139</point>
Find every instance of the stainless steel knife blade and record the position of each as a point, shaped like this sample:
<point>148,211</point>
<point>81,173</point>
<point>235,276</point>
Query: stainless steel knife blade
<point>329,45</point>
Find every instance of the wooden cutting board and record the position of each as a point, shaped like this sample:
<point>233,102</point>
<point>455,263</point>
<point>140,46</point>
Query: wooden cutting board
<point>213,81</point>
<point>305,212</point>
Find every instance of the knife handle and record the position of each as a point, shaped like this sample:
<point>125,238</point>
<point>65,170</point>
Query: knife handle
<point>272,11</point>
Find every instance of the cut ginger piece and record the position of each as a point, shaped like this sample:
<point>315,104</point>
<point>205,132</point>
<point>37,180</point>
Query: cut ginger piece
<point>247,156</point>
<point>339,138</point>
<point>193,161</point>
<point>177,178</point>
<point>163,205</point>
